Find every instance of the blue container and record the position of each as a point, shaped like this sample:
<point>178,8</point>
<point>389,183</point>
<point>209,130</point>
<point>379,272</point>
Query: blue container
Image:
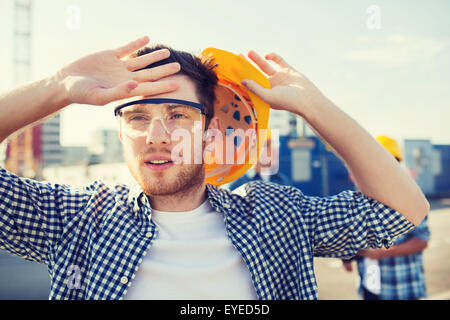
<point>441,169</point>
<point>419,159</point>
<point>312,168</point>
<point>338,175</point>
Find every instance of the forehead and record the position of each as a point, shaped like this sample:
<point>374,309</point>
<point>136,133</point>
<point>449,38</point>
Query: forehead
<point>186,89</point>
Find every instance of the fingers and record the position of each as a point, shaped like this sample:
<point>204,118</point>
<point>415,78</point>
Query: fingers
<point>278,60</point>
<point>156,73</point>
<point>243,56</point>
<point>154,88</point>
<point>146,59</point>
<point>261,63</point>
<point>107,95</point>
<point>129,89</point>
<point>260,91</point>
<point>131,47</point>
<point>264,65</point>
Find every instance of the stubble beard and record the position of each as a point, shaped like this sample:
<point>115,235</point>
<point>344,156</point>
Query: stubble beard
<point>176,182</point>
<point>185,180</point>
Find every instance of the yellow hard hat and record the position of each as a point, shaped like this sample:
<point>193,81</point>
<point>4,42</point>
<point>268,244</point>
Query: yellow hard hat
<point>237,108</point>
<point>269,134</point>
<point>392,146</point>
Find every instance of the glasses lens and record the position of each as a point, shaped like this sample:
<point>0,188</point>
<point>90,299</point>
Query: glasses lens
<point>137,119</point>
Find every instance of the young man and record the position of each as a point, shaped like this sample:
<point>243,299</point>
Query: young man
<point>173,236</point>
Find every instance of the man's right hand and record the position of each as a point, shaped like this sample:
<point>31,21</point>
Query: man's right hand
<point>107,76</point>
<point>96,79</point>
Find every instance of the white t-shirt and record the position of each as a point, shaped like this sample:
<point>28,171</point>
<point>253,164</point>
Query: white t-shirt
<point>192,258</point>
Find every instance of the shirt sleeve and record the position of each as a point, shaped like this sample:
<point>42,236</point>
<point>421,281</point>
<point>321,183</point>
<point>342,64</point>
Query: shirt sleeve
<point>422,231</point>
<point>341,225</point>
<point>33,215</point>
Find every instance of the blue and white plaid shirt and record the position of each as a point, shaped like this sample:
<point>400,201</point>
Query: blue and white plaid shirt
<point>402,277</point>
<point>94,238</point>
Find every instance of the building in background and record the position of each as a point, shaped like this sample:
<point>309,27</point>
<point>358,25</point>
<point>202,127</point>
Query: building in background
<point>51,150</point>
<point>75,155</point>
<point>81,175</point>
<point>21,152</point>
<point>35,148</point>
<point>106,147</point>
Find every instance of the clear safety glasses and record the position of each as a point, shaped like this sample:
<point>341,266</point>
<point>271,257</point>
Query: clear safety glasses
<point>137,116</point>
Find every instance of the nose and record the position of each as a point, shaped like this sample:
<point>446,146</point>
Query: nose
<point>157,133</point>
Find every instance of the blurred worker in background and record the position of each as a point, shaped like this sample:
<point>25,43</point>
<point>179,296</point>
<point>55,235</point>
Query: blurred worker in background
<point>396,273</point>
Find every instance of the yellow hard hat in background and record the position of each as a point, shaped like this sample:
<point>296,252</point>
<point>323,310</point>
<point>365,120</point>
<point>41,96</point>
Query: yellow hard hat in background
<point>237,108</point>
<point>391,145</point>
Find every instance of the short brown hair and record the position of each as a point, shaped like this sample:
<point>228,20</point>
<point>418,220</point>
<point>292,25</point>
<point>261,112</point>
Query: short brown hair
<point>201,72</point>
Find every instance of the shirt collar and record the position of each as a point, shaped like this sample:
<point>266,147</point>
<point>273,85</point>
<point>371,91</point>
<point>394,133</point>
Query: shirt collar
<point>137,196</point>
<point>217,194</point>
<point>219,198</point>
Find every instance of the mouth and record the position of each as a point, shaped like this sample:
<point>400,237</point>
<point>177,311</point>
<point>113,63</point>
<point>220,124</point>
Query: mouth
<point>158,165</point>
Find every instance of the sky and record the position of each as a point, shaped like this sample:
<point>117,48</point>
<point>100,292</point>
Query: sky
<point>385,63</point>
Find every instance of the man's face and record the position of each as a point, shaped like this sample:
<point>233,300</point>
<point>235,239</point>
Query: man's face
<point>157,143</point>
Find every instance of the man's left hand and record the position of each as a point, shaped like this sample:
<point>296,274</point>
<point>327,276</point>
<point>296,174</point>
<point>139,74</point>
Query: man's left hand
<point>290,90</point>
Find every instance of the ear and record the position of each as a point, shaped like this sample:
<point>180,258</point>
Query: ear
<point>215,124</point>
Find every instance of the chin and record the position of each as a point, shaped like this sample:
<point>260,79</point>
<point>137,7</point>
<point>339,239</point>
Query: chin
<point>181,180</point>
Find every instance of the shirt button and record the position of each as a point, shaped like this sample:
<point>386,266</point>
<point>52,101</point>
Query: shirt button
<point>148,234</point>
<point>124,280</point>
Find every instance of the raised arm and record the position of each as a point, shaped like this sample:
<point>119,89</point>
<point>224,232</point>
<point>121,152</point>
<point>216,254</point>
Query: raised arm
<point>375,171</point>
<point>96,79</point>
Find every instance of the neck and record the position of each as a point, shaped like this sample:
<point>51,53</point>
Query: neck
<point>184,200</point>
